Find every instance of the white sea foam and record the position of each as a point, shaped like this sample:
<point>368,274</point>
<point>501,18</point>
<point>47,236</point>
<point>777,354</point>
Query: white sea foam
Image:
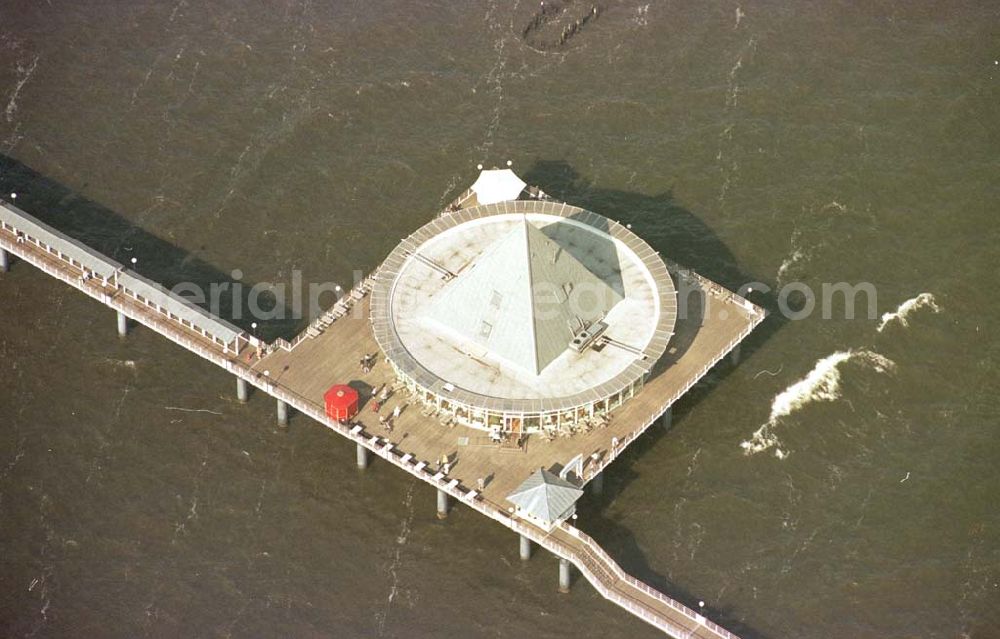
<point>822,383</point>
<point>641,17</point>
<point>790,261</point>
<point>790,265</point>
<point>924,300</point>
<point>763,438</point>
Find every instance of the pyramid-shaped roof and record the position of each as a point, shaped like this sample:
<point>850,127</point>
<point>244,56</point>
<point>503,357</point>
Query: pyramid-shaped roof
<point>497,185</point>
<point>523,299</point>
<point>545,496</point>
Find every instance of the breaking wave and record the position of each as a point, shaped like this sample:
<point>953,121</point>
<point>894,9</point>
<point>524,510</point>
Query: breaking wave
<point>924,300</point>
<point>790,261</point>
<point>791,264</point>
<point>822,383</point>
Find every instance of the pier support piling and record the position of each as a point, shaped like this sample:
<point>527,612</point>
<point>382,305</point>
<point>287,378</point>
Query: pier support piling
<point>564,575</point>
<point>242,393</point>
<point>4,261</point>
<point>525,548</point>
<point>734,355</point>
<point>362,457</point>
<point>442,505</point>
<point>597,484</point>
<point>282,414</point>
<point>668,418</point>
<point>122,324</point>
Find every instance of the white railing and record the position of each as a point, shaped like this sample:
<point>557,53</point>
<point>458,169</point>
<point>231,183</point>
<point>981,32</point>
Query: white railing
<point>610,564</point>
<point>633,435</point>
<point>347,304</point>
<point>455,205</point>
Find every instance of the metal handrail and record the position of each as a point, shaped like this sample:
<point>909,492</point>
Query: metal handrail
<point>633,435</point>
<point>619,573</point>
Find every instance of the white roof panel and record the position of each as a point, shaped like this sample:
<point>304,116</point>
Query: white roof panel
<point>103,266</point>
<point>93,261</point>
<point>522,300</point>
<point>179,306</point>
<point>545,496</point>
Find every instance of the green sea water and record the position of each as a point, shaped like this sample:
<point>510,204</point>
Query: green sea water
<point>770,142</point>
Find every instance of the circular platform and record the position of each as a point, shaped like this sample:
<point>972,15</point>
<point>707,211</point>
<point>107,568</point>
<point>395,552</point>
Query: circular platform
<point>476,311</point>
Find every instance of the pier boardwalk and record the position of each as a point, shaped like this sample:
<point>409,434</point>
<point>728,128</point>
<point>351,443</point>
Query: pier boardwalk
<point>481,473</point>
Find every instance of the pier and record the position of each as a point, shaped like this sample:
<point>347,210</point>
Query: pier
<point>462,464</point>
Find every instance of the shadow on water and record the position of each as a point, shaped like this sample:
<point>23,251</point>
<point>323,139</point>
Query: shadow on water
<point>111,234</point>
<point>686,240</point>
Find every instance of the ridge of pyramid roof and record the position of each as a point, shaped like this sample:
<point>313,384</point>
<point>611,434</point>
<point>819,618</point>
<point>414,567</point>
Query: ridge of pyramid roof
<point>545,495</point>
<point>523,299</point>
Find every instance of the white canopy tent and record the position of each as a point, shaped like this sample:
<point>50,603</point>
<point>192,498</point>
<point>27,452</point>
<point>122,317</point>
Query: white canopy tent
<point>498,185</point>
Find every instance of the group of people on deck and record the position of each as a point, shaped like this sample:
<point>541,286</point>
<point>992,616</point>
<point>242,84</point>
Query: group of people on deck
<point>378,400</point>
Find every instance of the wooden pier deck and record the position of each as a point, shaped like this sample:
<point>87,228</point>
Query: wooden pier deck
<point>315,364</point>
<point>298,374</point>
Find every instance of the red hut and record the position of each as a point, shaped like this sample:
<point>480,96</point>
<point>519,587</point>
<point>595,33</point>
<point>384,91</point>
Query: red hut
<point>341,402</point>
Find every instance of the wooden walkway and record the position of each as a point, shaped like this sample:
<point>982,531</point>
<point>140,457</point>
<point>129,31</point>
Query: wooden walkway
<point>298,373</point>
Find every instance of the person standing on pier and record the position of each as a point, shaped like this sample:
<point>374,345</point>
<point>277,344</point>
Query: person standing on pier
<point>367,362</point>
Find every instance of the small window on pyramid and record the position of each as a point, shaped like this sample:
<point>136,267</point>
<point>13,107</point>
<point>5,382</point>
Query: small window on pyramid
<point>485,329</point>
<point>496,299</point>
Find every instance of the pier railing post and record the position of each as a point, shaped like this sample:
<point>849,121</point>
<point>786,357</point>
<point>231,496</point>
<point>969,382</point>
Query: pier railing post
<point>564,575</point>
<point>362,457</point>
<point>442,504</point>
<point>4,261</point>
<point>122,324</point>
<point>282,414</point>
<point>242,392</point>
<point>525,548</point>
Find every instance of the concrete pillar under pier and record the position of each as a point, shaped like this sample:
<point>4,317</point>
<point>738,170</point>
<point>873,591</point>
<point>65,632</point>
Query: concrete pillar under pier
<point>4,261</point>
<point>442,505</point>
<point>362,457</point>
<point>122,324</point>
<point>597,484</point>
<point>564,575</point>
<point>734,355</point>
<point>282,414</point>
<point>668,418</point>
<point>242,393</point>
<point>525,548</point>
